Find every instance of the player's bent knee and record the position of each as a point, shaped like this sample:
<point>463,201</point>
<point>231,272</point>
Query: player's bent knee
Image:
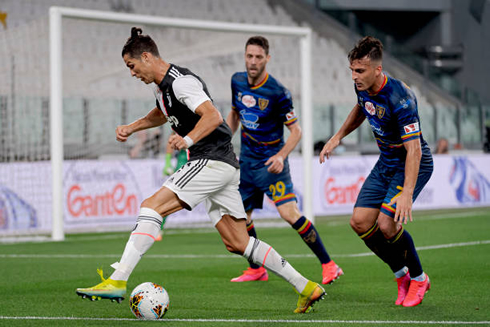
<point>358,225</point>
<point>388,227</point>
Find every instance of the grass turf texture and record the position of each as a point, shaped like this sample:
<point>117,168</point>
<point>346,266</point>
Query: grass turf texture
<point>39,279</point>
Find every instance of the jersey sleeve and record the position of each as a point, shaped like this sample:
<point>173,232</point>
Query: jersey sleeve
<point>408,119</point>
<point>285,104</point>
<point>189,91</point>
<point>233,94</point>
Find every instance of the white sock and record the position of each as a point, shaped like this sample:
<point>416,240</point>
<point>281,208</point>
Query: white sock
<point>420,278</point>
<point>402,272</point>
<point>142,238</point>
<point>263,254</point>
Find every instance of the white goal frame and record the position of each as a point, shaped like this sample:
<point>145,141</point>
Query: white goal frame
<point>56,14</point>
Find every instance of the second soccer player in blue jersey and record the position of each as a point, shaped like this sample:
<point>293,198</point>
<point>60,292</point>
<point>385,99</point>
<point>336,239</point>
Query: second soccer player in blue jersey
<point>263,106</point>
<point>403,169</point>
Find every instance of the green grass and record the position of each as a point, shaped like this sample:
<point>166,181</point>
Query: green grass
<point>41,280</point>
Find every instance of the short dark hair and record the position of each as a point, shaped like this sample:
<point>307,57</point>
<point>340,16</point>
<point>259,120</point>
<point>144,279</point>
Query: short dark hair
<point>260,41</point>
<point>138,43</point>
<point>367,46</point>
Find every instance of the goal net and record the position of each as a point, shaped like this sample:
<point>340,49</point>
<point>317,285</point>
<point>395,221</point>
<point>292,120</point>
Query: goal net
<point>68,89</point>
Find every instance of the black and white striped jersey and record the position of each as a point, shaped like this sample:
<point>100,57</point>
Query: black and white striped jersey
<point>178,96</point>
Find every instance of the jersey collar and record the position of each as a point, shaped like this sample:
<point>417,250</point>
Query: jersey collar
<point>382,85</point>
<point>167,80</point>
<point>261,83</point>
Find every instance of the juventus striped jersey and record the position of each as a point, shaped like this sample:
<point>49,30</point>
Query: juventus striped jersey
<point>178,96</point>
<point>393,115</point>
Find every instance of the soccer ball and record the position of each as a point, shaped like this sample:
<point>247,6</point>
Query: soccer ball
<point>149,301</point>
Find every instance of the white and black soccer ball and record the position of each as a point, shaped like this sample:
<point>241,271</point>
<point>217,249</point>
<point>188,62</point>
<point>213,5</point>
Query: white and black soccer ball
<point>149,301</point>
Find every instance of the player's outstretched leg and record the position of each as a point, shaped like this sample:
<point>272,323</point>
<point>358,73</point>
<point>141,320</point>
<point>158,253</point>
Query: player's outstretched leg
<point>254,272</point>
<point>312,293</point>
<point>141,239</point>
<point>262,253</point>
<point>108,289</point>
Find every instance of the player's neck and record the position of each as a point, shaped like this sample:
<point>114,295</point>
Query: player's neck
<point>161,71</point>
<point>258,80</point>
<point>378,84</point>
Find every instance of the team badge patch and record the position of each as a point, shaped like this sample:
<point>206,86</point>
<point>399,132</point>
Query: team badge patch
<point>290,115</point>
<point>380,111</point>
<point>249,101</point>
<point>411,128</point>
<point>370,108</point>
<point>263,103</point>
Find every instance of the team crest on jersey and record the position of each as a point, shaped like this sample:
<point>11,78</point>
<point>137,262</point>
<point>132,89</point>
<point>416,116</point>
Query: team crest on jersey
<point>370,108</point>
<point>380,111</point>
<point>263,103</point>
<point>249,101</point>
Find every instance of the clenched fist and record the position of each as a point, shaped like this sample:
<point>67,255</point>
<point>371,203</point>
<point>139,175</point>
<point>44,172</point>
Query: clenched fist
<point>123,132</point>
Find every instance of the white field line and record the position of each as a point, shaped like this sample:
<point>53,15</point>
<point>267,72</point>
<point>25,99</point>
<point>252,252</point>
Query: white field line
<point>226,256</point>
<point>451,215</point>
<point>280,321</point>
<point>176,231</point>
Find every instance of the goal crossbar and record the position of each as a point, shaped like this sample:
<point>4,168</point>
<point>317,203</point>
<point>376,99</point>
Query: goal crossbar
<point>56,14</point>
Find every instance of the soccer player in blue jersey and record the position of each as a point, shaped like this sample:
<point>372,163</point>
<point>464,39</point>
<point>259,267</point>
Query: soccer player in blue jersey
<point>263,106</point>
<point>404,167</point>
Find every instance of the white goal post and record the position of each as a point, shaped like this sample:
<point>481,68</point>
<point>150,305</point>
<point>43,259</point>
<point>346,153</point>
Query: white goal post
<point>56,14</point>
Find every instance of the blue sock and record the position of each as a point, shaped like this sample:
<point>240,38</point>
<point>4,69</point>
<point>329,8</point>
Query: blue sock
<point>404,247</point>
<point>310,236</point>
<point>376,242</point>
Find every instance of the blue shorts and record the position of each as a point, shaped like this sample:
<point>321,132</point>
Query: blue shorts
<point>255,180</point>
<point>384,183</point>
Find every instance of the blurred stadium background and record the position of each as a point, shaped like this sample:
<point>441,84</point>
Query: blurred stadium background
<point>439,48</point>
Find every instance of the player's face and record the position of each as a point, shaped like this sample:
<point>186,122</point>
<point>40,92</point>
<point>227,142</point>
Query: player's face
<point>364,74</point>
<point>139,68</point>
<point>255,61</point>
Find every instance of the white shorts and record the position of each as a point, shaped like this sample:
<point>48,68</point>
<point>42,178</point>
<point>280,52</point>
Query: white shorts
<point>212,181</point>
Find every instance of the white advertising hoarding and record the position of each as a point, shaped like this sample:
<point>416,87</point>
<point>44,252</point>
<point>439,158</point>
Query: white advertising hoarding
<point>106,195</point>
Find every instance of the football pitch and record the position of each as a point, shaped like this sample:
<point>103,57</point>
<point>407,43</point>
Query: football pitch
<point>39,279</point>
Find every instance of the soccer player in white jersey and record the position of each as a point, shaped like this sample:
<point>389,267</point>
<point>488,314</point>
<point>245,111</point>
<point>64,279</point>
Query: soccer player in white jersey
<point>211,175</point>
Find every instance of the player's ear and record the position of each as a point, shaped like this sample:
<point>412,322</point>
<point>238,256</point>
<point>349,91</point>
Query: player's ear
<point>146,57</point>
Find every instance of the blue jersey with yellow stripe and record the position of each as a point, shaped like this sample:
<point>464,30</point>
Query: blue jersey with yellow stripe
<point>264,109</point>
<point>393,115</point>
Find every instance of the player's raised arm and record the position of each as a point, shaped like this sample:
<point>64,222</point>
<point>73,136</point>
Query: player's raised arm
<point>153,119</point>
<point>352,122</point>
